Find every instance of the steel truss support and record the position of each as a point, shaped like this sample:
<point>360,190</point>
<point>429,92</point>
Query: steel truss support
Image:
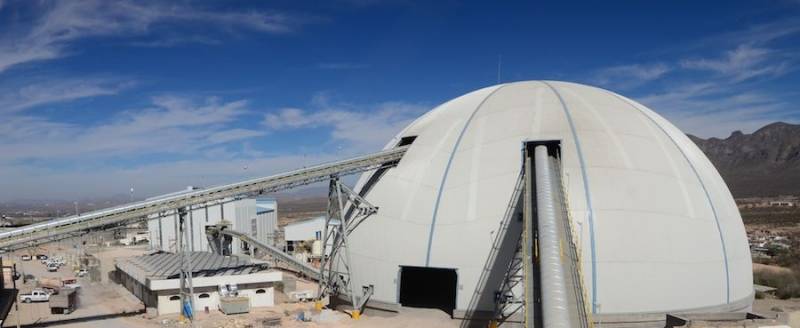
<point>186,288</point>
<point>336,274</point>
<point>510,299</point>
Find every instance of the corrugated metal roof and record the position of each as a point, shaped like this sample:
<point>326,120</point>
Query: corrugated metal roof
<point>163,265</point>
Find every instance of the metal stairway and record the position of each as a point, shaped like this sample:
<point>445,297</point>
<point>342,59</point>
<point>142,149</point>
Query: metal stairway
<point>569,250</point>
<point>544,278</point>
<point>580,314</point>
<point>506,239</point>
<point>543,282</point>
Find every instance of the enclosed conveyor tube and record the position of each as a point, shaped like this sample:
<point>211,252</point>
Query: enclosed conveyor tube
<point>216,231</point>
<point>47,231</point>
<point>555,304</point>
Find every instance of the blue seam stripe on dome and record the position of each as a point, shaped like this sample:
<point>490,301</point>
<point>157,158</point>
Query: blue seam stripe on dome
<point>447,170</point>
<point>589,207</point>
<point>702,185</point>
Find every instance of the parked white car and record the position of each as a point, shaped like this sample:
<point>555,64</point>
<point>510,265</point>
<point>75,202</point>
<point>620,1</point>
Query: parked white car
<point>36,295</point>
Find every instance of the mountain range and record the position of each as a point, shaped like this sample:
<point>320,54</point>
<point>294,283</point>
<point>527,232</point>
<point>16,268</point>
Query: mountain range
<point>761,164</point>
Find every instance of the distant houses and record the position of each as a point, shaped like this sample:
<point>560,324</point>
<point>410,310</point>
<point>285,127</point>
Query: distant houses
<point>764,243</point>
<point>763,202</point>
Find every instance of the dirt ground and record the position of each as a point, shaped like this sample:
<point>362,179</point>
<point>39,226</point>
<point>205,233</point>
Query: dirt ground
<point>287,313</point>
<point>95,299</point>
<point>106,298</point>
<point>772,306</point>
<point>98,299</point>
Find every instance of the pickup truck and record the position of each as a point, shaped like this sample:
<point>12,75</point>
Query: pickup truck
<point>36,295</point>
<point>71,282</point>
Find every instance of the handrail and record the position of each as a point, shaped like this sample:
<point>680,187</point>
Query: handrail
<point>585,315</point>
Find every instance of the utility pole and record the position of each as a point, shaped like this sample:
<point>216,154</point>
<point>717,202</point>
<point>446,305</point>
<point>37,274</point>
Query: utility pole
<point>16,299</point>
<point>186,288</point>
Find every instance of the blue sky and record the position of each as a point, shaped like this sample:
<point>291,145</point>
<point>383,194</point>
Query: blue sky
<point>98,96</point>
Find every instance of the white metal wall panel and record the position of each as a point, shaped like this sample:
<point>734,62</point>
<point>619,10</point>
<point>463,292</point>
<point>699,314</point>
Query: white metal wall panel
<point>655,246</point>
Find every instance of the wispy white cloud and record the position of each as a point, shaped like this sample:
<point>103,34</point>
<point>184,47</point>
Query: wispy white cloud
<point>63,22</point>
<point>711,109</point>
<point>755,35</point>
<point>743,63</point>
<point>173,125</point>
<point>56,91</point>
<point>711,92</point>
<point>174,142</point>
<point>99,180</point>
<point>364,127</point>
<point>234,135</point>
<point>626,76</point>
<point>175,40</point>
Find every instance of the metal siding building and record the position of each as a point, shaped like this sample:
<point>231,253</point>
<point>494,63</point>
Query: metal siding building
<point>241,213</point>
<point>310,229</point>
<point>153,278</point>
<point>658,229</point>
<point>266,219</point>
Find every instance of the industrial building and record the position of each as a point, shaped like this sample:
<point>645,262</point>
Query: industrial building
<point>256,217</point>
<point>656,227</point>
<point>154,279</point>
<point>304,230</point>
<point>532,188</point>
<point>8,290</point>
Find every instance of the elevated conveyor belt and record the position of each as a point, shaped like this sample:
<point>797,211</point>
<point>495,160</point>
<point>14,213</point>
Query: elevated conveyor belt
<point>579,308</point>
<point>289,261</point>
<point>554,294</point>
<point>103,219</point>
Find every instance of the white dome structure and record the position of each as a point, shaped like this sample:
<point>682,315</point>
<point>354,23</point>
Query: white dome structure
<point>656,225</point>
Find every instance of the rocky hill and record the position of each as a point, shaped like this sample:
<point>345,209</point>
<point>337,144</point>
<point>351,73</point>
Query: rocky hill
<point>764,163</point>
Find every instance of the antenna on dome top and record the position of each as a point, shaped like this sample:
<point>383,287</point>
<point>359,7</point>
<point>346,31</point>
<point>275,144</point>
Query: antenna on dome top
<point>499,64</point>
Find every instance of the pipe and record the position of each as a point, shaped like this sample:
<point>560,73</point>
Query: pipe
<point>555,305</point>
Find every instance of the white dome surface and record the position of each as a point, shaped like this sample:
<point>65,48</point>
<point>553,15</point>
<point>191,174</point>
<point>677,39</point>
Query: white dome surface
<point>659,230</point>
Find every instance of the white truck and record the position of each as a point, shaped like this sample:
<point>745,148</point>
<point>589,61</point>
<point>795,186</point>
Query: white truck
<point>135,238</point>
<point>36,295</point>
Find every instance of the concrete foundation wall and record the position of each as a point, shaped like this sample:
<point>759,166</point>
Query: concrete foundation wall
<point>257,299</point>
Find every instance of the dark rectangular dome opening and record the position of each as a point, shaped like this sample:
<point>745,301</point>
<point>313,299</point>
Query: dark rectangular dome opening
<point>405,141</point>
<point>428,288</point>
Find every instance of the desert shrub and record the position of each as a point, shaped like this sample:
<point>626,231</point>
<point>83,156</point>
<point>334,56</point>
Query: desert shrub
<point>789,291</point>
<point>787,282</point>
